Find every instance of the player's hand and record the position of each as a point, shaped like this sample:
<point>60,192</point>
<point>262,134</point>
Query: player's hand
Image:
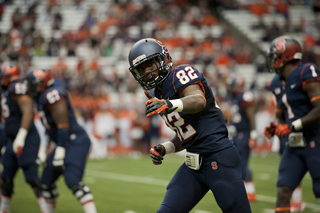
<point>270,130</point>
<point>58,159</point>
<point>19,141</point>
<point>42,156</point>
<point>156,105</point>
<point>282,130</point>
<point>156,153</point>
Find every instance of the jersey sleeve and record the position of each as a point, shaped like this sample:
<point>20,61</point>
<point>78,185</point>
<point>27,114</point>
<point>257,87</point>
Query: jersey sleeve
<point>309,73</point>
<point>275,86</point>
<point>186,75</point>
<point>53,96</point>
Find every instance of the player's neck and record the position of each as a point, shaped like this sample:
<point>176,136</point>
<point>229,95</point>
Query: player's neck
<point>287,70</point>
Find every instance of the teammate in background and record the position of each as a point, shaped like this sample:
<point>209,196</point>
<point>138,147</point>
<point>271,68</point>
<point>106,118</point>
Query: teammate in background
<point>300,103</point>
<point>277,87</point>
<point>23,138</point>
<point>242,128</point>
<point>72,142</point>
<point>186,103</point>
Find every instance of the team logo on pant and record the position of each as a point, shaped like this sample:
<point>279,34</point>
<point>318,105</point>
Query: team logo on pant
<point>214,165</point>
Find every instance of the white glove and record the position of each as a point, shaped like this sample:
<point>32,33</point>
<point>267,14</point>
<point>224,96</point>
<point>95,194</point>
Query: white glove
<point>58,159</point>
<point>42,156</point>
<point>232,130</point>
<point>19,141</point>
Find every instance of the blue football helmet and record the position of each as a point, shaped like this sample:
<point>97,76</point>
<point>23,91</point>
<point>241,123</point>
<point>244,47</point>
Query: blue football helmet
<point>150,49</point>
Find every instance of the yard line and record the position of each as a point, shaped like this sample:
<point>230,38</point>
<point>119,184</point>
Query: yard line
<point>159,182</point>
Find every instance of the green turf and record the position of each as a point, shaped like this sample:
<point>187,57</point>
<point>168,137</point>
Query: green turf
<point>123,184</point>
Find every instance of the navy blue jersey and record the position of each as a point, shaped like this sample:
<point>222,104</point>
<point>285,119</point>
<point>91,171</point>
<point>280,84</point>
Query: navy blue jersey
<point>203,132</point>
<point>10,109</point>
<point>239,117</point>
<point>50,96</point>
<point>295,102</point>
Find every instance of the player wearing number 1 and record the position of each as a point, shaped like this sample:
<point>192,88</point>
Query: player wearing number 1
<point>300,103</point>
<point>182,97</point>
<point>22,136</point>
<point>72,142</point>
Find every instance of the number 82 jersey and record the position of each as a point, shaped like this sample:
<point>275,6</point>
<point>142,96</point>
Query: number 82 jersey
<point>202,132</point>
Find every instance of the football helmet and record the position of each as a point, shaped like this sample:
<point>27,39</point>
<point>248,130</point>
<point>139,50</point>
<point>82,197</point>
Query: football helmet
<point>236,84</point>
<point>150,49</point>
<point>9,73</point>
<point>282,50</point>
<point>38,80</point>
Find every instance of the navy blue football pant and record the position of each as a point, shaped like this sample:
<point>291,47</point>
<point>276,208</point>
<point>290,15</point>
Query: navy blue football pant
<point>27,161</point>
<point>75,160</point>
<point>220,172</point>
<point>241,141</point>
<point>294,164</point>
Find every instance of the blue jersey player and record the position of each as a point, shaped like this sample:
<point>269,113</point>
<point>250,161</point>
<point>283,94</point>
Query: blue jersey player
<point>277,87</point>
<point>182,97</point>
<point>300,103</point>
<point>22,137</point>
<point>242,121</point>
<point>72,142</point>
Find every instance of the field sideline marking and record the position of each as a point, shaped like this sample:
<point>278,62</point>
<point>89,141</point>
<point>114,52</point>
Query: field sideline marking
<point>159,182</point>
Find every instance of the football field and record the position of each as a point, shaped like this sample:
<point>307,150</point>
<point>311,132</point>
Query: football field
<point>126,185</point>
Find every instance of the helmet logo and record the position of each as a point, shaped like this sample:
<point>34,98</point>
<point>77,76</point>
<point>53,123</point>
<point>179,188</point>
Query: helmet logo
<point>139,58</point>
<point>280,46</point>
<point>164,49</point>
<point>39,73</point>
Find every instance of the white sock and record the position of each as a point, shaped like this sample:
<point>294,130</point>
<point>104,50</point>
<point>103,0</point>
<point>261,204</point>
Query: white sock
<point>43,205</point>
<point>88,204</point>
<point>5,204</point>
<point>297,194</point>
<point>51,205</point>
<point>89,207</point>
<point>249,185</point>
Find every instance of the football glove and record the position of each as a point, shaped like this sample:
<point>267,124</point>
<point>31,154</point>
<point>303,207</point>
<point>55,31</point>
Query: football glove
<point>156,153</point>
<point>58,159</point>
<point>42,156</point>
<point>19,141</point>
<point>269,131</point>
<point>282,130</point>
<point>156,105</point>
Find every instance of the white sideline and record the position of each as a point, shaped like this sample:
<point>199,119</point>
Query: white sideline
<point>159,182</point>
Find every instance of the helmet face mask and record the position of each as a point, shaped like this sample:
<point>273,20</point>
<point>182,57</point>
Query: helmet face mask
<point>282,50</point>
<point>149,51</point>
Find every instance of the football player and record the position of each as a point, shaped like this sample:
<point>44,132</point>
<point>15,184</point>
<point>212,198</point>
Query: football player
<point>182,97</point>
<point>242,123</point>
<point>72,142</point>
<point>300,103</point>
<point>277,87</point>
<point>22,136</point>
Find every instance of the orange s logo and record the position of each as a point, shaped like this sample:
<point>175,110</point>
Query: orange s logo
<point>214,165</point>
<point>280,46</point>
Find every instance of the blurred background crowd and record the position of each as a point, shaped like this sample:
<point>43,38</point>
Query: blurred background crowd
<point>85,44</point>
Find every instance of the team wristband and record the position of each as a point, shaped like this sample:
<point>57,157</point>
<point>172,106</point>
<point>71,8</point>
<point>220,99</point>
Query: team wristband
<point>22,133</point>
<point>169,146</point>
<point>297,124</point>
<point>177,103</point>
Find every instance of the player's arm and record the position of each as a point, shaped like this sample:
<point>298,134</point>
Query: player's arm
<point>192,101</point>
<point>313,91</point>
<point>59,113</point>
<point>25,105</point>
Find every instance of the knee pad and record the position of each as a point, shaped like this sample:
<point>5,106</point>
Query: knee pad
<point>82,193</point>
<point>50,193</point>
<point>36,186</point>
<point>7,186</point>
